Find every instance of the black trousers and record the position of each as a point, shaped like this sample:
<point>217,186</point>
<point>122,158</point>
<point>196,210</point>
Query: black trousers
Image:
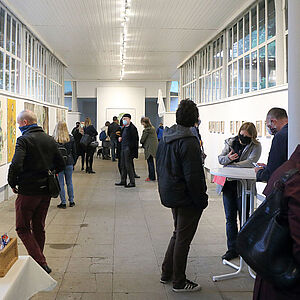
<point>90,157</point>
<point>127,166</point>
<point>186,221</point>
<point>151,168</point>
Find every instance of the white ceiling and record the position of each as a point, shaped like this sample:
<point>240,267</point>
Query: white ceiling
<point>161,33</point>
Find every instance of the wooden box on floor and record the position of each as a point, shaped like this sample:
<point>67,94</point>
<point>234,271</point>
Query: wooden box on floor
<point>8,256</point>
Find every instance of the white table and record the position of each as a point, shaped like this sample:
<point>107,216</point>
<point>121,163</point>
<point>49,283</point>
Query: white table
<point>24,279</point>
<point>243,175</point>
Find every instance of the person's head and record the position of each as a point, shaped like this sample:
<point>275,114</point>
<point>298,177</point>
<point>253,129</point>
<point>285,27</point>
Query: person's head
<point>276,119</point>
<point>26,117</point>
<point>187,113</point>
<point>161,125</point>
<point>247,134</point>
<point>81,124</point>
<point>107,123</point>
<point>115,119</point>
<point>77,124</point>
<point>61,133</point>
<point>126,119</point>
<point>146,122</point>
<point>87,122</point>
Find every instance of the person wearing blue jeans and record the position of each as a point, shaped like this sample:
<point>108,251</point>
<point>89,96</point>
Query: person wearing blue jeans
<point>66,174</point>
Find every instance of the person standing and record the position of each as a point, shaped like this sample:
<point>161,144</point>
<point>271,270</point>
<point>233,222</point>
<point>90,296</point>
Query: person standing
<point>129,150</point>
<point>160,131</point>
<point>92,132</point>
<point>105,140</point>
<point>112,129</point>
<point>182,187</point>
<point>77,137</point>
<point>277,125</point>
<point>36,153</point>
<point>149,142</point>
<point>67,142</point>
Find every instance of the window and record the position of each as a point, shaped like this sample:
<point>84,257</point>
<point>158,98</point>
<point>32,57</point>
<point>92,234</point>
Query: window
<point>189,79</point>
<point>286,23</point>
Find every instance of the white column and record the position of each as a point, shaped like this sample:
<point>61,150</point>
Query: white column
<point>168,88</point>
<point>294,74</point>
<point>74,97</point>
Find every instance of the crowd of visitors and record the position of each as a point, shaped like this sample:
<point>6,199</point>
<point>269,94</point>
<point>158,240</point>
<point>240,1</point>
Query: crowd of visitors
<point>179,156</point>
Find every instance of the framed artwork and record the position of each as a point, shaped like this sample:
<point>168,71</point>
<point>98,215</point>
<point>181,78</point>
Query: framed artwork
<point>11,128</point>
<point>237,126</point>
<point>259,128</point>
<point>29,106</point>
<point>3,131</point>
<point>232,129</point>
<point>267,134</point>
<point>210,126</point>
<point>222,127</point>
<point>214,126</point>
<point>218,127</point>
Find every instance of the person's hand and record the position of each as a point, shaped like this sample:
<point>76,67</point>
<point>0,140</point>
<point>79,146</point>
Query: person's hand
<point>261,165</point>
<point>258,169</point>
<point>120,139</point>
<point>15,190</point>
<point>232,156</point>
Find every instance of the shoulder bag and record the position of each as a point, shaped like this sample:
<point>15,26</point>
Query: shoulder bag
<point>264,242</point>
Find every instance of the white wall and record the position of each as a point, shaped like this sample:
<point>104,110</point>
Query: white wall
<point>88,89</point>
<point>169,119</point>
<point>120,99</point>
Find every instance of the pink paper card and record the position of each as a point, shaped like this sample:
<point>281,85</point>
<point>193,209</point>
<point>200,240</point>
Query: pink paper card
<point>219,180</point>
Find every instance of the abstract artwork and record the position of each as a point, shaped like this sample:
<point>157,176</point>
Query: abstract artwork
<point>222,127</point>
<point>259,128</point>
<point>3,131</point>
<point>11,128</point>
<point>232,130</point>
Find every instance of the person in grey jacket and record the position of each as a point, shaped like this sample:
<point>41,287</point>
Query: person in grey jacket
<point>240,151</point>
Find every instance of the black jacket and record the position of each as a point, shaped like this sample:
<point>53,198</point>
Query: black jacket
<point>71,151</point>
<point>91,131</point>
<point>112,129</point>
<point>133,140</point>
<point>36,153</point>
<point>77,135</point>
<point>181,180</point>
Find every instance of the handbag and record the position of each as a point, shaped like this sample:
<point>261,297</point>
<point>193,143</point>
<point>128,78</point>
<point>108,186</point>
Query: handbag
<point>53,184</point>
<point>85,140</point>
<point>264,242</point>
<point>94,144</point>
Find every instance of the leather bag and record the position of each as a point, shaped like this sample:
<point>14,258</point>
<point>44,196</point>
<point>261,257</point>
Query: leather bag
<point>53,184</point>
<point>85,140</point>
<point>94,144</point>
<point>264,242</point>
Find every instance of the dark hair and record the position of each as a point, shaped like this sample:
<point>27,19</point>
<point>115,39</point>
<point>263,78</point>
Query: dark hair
<point>147,122</point>
<point>277,113</point>
<point>187,113</point>
<point>251,129</point>
<point>115,118</point>
<point>107,123</point>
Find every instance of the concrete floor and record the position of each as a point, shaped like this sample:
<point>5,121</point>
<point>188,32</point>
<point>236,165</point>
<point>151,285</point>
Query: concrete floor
<point>111,244</point>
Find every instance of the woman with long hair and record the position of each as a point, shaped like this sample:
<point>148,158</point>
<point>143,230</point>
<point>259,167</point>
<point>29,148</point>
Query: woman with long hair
<point>240,151</point>
<point>149,142</point>
<point>66,145</point>
<point>92,132</point>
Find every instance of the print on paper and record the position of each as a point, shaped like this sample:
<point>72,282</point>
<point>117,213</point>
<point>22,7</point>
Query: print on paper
<point>11,128</point>
<point>3,131</point>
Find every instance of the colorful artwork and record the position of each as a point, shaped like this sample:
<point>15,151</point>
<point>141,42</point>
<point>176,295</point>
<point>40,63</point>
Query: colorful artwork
<point>46,119</point>
<point>11,128</point>
<point>222,127</point>
<point>42,113</point>
<point>3,131</point>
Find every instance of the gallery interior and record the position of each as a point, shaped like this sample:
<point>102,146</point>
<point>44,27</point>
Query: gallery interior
<point>71,59</point>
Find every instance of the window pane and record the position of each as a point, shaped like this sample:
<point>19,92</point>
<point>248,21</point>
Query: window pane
<point>18,77</point>
<point>286,56</point>
<point>254,71</point>
<point>247,74</point>
<point>214,86</point>
<point>13,36</point>
<point>8,25</point>
<point>19,40</point>
<point>247,33</point>
<point>2,21</point>
<point>220,92</point>
<point>173,103</point>
<point>7,71</point>
<point>13,75</point>
<point>230,44</point>
<point>286,15</point>
<point>214,55</point>
<point>241,37</point>
<point>221,51</point>
<point>235,41</point>
<point>241,77</point>
<point>262,68</point>
<point>235,78</point>
<point>253,27</point>
<point>230,80</point>
<point>208,58</point>
<point>272,64</point>
<point>262,26</point>
<point>1,69</point>
<point>218,53</point>
<point>271,19</point>
<point>29,49</point>
<point>217,85</point>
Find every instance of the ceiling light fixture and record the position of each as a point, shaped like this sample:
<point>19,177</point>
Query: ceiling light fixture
<point>125,18</point>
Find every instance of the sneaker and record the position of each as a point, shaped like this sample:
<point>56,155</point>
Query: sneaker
<point>130,185</point>
<point>148,179</point>
<point>189,286</point>
<point>62,206</point>
<point>229,255</point>
<point>165,279</point>
<point>136,176</point>
<point>72,204</point>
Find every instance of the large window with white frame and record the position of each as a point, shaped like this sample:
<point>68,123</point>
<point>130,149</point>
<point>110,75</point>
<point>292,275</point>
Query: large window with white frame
<point>189,79</point>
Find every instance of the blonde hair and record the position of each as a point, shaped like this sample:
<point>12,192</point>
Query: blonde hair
<point>251,129</point>
<point>87,122</point>
<point>61,133</point>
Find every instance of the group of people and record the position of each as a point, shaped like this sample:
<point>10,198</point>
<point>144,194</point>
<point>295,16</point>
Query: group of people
<point>179,155</point>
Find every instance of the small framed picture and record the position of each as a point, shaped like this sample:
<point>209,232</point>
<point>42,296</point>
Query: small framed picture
<point>218,127</point>
<point>214,126</point>
<point>232,130</point>
<point>259,128</point>
<point>267,134</point>
<point>237,126</point>
<point>222,127</point>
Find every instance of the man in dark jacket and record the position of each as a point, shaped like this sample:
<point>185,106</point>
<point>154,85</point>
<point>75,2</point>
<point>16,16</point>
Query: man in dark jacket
<point>277,125</point>
<point>129,150</point>
<point>112,129</point>
<point>182,187</point>
<point>35,154</point>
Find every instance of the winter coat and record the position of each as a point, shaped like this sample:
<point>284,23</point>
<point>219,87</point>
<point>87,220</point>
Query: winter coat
<point>181,179</point>
<point>36,153</point>
<point>112,129</point>
<point>264,290</point>
<point>149,141</point>
<point>133,140</point>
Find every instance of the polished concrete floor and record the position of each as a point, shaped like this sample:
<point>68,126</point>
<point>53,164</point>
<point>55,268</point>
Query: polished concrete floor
<point>111,244</point>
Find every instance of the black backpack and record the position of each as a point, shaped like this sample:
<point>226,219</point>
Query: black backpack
<point>63,151</point>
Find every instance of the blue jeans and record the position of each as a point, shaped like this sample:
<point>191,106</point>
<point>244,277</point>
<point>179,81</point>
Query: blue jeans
<point>66,173</point>
<point>113,144</point>
<point>151,168</point>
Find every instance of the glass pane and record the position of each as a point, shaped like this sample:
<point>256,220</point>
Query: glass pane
<point>229,80</point>
<point>235,78</point>
<point>208,58</point>
<point>286,56</point>
<point>247,74</point>
<point>215,55</point>
<point>18,78</point>
<point>214,86</point>
<point>271,19</point>
<point>218,54</point>
<point>2,21</point>
<point>13,36</point>
<point>29,49</point>
<point>230,44</point>
<point>221,52</point>
<point>13,75</point>
<point>241,37</point>
<point>220,93</point>
<point>8,26</point>
<point>286,15</point>
<point>235,41</point>
<point>217,85</point>
<point>1,69</point>
<point>262,68</point>
<point>254,71</point>
<point>7,71</point>
<point>254,27</point>
<point>261,21</point>
<point>247,33</point>
<point>19,40</point>
<point>173,103</point>
<point>272,64</point>
<point>241,77</point>
<point>209,88</point>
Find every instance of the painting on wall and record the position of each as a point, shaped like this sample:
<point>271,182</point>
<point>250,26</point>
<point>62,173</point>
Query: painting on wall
<point>267,134</point>
<point>237,126</point>
<point>218,126</point>
<point>11,128</point>
<point>259,128</point>
<point>29,106</point>
<point>3,131</point>
<point>232,129</point>
<point>46,119</point>
<point>222,127</point>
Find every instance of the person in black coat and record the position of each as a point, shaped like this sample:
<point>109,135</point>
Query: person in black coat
<point>92,132</point>
<point>182,187</point>
<point>129,150</point>
<point>112,129</point>
<point>76,133</point>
